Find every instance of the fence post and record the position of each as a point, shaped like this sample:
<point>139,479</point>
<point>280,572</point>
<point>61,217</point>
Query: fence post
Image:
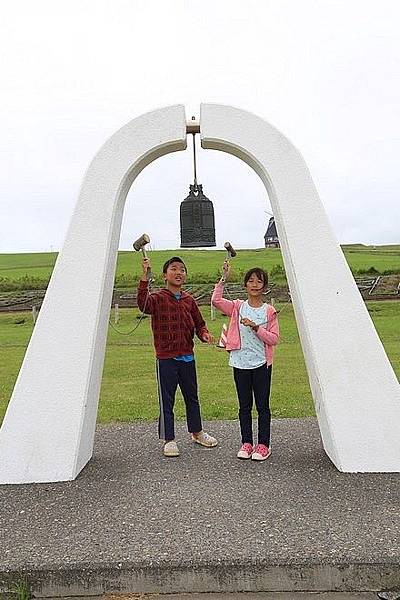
<point>116,314</point>
<point>212,311</point>
<point>34,314</point>
<point>272,301</point>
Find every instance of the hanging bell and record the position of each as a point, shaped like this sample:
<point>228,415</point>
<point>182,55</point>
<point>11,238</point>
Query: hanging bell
<point>197,214</point>
<point>197,219</point>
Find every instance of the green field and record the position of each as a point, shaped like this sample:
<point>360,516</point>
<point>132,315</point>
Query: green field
<point>128,390</point>
<point>32,271</point>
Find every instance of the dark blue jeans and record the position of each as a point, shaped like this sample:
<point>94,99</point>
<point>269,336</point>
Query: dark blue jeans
<point>257,383</point>
<point>170,374</point>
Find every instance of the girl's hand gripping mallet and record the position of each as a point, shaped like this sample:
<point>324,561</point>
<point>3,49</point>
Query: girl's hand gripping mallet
<point>226,267</point>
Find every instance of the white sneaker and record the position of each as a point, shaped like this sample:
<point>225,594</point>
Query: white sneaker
<point>205,439</point>
<point>171,448</point>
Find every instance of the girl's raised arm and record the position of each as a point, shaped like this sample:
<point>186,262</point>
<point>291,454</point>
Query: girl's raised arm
<point>224,305</point>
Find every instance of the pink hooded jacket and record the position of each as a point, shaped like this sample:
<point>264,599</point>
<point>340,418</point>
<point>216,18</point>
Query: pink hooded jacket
<point>269,333</point>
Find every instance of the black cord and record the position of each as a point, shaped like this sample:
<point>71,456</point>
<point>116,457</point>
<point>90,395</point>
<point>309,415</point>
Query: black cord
<point>139,321</point>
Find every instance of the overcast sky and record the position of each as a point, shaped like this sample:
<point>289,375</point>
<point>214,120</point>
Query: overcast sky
<point>325,73</point>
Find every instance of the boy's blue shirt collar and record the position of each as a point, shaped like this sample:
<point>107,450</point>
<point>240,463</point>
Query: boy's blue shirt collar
<point>182,292</point>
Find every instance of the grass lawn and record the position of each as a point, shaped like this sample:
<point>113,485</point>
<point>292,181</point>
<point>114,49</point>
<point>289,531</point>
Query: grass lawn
<point>128,389</point>
<point>34,270</point>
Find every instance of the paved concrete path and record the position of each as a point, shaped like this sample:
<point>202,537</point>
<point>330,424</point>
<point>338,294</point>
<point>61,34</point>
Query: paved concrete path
<point>134,521</point>
<point>252,596</point>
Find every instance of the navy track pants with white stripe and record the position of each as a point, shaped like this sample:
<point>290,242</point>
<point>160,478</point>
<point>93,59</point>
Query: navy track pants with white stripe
<point>170,374</point>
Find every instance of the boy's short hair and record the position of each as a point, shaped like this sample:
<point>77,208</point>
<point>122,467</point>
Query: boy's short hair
<point>260,273</point>
<point>172,260</point>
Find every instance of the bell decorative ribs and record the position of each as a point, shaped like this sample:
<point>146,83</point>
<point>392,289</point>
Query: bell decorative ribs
<point>197,220</point>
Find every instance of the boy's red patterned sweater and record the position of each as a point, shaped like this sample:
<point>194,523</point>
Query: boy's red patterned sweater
<point>174,322</point>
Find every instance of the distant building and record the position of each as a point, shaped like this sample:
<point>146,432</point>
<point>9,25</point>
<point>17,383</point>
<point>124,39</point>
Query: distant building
<point>271,237</point>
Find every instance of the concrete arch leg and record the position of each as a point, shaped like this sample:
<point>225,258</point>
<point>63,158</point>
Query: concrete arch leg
<point>47,434</point>
<point>355,390</point>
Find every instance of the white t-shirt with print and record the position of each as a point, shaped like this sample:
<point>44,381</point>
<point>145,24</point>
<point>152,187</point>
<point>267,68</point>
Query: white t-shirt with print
<point>252,350</point>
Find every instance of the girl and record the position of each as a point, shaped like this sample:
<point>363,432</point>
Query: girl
<point>252,334</point>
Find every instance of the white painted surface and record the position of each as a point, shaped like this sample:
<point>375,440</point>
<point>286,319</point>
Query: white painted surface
<point>47,434</point>
<point>356,393</point>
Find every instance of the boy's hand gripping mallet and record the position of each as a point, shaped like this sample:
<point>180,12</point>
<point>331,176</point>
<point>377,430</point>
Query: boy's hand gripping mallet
<point>140,244</point>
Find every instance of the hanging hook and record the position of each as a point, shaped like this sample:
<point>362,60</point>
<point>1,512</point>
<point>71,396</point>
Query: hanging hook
<point>193,128</point>
<point>194,163</point>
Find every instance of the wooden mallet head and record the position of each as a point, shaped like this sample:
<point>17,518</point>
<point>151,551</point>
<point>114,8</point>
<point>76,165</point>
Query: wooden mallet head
<point>230,250</point>
<point>140,243</point>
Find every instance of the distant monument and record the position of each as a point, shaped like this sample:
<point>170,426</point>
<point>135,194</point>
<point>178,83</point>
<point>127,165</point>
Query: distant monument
<point>271,237</point>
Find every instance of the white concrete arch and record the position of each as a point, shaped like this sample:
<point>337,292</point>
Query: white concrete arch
<point>355,390</point>
<point>47,434</point>
<point>48,430</point>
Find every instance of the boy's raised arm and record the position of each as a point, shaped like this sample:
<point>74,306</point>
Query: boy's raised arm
<point>145,301</point>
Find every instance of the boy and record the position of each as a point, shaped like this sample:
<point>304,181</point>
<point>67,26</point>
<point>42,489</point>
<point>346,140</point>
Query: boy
<point>175,317</point>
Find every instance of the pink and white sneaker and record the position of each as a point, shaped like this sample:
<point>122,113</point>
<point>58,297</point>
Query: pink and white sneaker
<point>261,452</point>
<point>245,451</point>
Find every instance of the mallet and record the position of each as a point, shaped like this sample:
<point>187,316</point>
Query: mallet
<point>230,250</point>
<point>140,244</point>
<point>230,253</point>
